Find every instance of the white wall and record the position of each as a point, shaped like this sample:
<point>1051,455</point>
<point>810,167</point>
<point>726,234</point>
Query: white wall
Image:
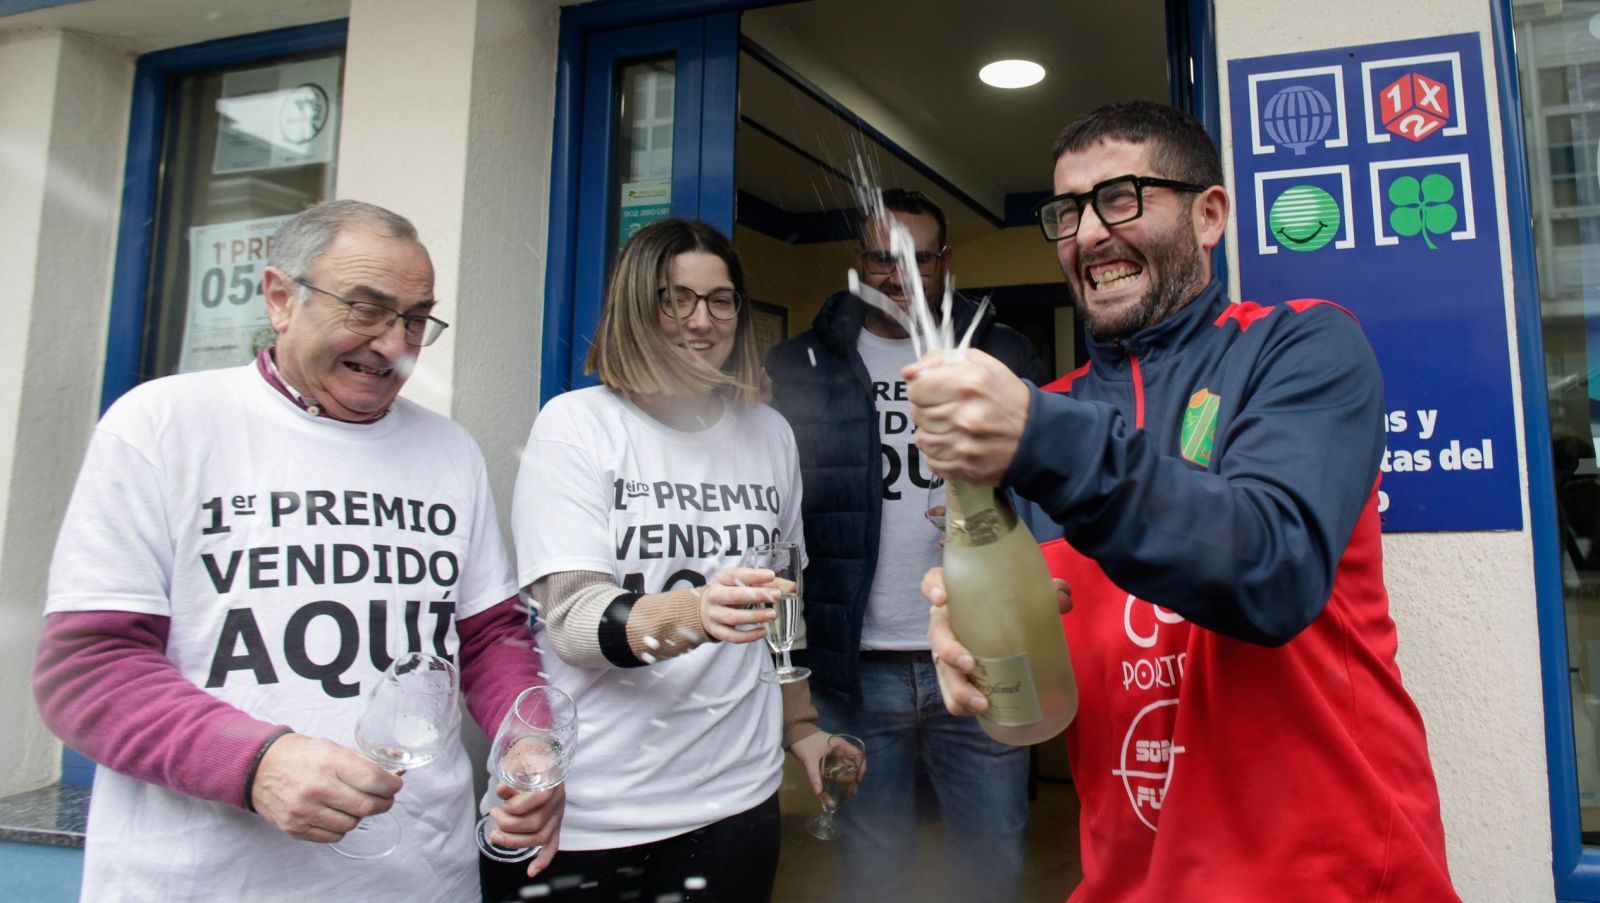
<point>458,140</point>
<point>64,100</point>
<point>1464,602</point>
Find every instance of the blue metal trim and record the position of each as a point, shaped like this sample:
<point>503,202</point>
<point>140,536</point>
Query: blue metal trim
<point>594,224</point>
<point>1019,207</point>
<point>141,177</point>
<point>1192,50</point>
<point>719,120</point>
<point>565,170</point>
<point>17,7</point>
<point>599,14</point>
<point>1576,870</point>
<point>762,56</point>
<point>840,224</point>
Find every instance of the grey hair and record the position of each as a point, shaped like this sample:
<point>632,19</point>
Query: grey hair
<point>301,240</point>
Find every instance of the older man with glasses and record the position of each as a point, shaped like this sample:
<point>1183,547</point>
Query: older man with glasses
<point>1208,485</point>
<point>244,554</point>
<point>867,492</point>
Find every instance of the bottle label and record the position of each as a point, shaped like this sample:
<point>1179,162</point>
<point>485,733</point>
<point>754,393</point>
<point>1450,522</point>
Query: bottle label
<point>1008,685</point>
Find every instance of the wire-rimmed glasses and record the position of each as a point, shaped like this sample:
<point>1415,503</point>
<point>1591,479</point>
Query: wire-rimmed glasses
<point>373,320</point>
<point>531,751</point>
<point>1115,201</point>
<point>679,303</point>
<point>883,263</point>
<point>410,719</point>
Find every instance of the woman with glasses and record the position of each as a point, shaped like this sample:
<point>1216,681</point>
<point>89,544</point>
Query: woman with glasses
<point>635,500</point>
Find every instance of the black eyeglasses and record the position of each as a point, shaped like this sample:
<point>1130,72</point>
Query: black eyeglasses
<point>882,263</point>
<point>373,320</point>
<point>679,303</point>
<point>1116,201</point>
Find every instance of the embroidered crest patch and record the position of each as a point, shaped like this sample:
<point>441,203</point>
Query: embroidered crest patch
<point>1199,427</point>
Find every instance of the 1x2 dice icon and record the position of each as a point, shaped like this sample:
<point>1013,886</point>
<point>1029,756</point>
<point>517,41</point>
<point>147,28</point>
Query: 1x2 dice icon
<point>1414,106</point>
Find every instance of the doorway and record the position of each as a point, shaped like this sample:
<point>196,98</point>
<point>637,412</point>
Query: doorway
<point>753,121</point>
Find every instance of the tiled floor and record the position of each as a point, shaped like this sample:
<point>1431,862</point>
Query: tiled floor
<point>808,870</point>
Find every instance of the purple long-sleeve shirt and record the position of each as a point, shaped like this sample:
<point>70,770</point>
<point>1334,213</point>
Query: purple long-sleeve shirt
<point>91,664</point>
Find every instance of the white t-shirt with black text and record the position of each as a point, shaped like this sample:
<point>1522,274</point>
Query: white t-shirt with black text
<point>908,544</point>
<point>604,487</point>
<point>294,555</point>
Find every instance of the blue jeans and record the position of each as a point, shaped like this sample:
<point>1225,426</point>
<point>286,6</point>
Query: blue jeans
<point>982,786</point>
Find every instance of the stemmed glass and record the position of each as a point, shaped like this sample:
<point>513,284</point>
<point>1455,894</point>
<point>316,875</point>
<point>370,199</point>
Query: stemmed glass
<point>841,771</point>
<point>531,751</point>
<point>783,560</point>
<point>410,718</point>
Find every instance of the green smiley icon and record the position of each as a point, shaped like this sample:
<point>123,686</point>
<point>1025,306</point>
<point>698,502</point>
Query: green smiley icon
<point>1304,218</point>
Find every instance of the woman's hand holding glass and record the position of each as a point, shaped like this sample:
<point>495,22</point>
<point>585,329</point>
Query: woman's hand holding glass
<point>779,564</point>
<point>736,605</point>
<point>529,757</point>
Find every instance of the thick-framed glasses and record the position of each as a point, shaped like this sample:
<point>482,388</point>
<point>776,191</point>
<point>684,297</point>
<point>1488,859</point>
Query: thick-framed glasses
<point>882,263</point>
<point>679,303</point>
<point>1116,201</point>
<point>373,320</point>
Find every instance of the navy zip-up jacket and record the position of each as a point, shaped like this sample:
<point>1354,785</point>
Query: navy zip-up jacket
<point>1237,521</point>
<point>1242,727</point>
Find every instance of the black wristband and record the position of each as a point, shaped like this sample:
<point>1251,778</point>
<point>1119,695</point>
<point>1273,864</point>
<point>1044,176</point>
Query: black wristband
<point>255,766</point>
<point>614,632</point>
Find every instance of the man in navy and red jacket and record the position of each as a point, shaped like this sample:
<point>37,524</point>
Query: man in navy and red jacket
<point>1209,484</point>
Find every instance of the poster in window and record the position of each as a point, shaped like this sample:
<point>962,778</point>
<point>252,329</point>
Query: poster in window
<point>284,115</point>
<point>226,321</point>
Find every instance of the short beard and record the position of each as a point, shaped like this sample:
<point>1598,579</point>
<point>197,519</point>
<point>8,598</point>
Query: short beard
<point>1177,282</point>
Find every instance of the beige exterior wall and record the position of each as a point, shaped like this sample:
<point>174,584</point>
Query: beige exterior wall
<point>60,194</point>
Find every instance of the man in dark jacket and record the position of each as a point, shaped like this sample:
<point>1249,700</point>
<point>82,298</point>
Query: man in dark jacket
<point>866,494</point>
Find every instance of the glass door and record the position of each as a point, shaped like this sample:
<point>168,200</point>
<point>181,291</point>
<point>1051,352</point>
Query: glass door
<point>655,127</point>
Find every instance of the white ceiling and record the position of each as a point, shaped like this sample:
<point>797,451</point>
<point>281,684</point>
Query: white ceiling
<point>909,69</point>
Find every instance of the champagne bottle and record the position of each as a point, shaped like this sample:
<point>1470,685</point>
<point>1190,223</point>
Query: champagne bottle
<point>1003,610</point>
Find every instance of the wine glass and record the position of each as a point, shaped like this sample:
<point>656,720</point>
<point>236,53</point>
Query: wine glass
<point>783,560</point>
<point>531,751</point>
<point>410,718</point>
<point>841,771</point>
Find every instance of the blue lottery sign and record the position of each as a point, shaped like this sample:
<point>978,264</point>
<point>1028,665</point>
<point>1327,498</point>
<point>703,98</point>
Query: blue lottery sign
<point>1362,176</point>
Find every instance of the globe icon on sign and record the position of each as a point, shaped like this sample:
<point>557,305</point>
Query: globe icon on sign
<point>1297,117</point>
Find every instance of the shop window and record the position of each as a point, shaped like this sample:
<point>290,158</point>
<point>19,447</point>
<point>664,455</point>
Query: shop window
<point>1558,71</point>
<point>245,147</point>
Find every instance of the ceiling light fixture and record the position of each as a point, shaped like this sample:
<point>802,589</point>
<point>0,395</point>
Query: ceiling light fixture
<point>1011,73</point>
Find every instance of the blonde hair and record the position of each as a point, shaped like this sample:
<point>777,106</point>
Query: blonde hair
<point>630,352</point>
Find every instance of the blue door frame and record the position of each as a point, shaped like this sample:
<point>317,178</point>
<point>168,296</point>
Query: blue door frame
<point>595,40</point>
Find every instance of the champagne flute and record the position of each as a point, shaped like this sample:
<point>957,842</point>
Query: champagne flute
<point>410,718</point>
<point>841,771</point>
<point>783,560</point>
<point>531,751</point>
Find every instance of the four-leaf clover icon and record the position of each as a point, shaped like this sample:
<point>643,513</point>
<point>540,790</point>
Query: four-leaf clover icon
<point>1422,206</point>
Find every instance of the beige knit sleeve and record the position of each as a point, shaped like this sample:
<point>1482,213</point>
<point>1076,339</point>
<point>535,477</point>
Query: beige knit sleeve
<point>799,715</point>
<point>593,623</point>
